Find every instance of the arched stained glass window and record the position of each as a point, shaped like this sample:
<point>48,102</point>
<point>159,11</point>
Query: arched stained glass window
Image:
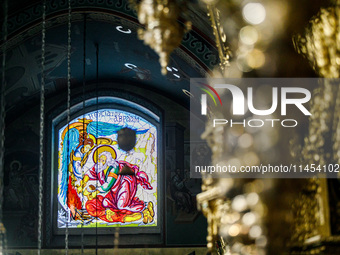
<point>99,183</point>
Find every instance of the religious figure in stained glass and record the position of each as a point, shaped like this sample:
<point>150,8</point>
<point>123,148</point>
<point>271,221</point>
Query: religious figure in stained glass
<point>99,183</point>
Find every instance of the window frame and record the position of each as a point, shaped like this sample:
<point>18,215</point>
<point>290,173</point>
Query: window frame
<point>155,117</point>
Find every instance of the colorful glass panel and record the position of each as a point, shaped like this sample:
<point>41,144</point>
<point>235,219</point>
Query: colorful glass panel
<point>100,184</point>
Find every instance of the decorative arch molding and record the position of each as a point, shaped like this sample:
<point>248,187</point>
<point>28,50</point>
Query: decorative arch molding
<point>196,47</point>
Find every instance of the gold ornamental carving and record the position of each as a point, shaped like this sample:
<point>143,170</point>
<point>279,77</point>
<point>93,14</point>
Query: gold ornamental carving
<point>163,32</point>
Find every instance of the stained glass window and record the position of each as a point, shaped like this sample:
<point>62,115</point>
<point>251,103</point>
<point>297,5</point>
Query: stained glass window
<point>99,183</point>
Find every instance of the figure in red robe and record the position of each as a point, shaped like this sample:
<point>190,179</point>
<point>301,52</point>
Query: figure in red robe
<point>117,181</point>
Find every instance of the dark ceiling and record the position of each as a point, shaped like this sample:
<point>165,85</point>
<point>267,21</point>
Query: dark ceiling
<point>112,25</point>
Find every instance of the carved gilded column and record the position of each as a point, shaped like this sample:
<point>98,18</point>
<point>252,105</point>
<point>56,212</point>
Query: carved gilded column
<point>321,46</point>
